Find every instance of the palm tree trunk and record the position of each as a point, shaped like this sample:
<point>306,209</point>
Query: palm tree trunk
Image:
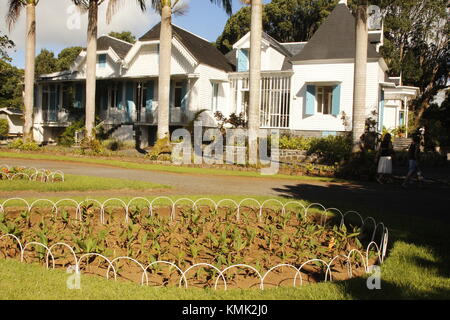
<point>165,55</point>
<point>359,92</point>
<point>255,79</point>
<point>91,68</point>
<point>29,70</point>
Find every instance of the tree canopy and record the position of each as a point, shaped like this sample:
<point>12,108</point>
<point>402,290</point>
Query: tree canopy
<point>46,62</point>
<point>124,35</point>
<point>11,78</point>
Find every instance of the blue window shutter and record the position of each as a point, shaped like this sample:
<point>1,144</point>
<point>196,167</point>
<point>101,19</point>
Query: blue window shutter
<point>381,111</point>
<point>310,100</point>
<point>150,93</point>
<point>184,95</point>
<point>119,96</point>
<point>336,103</point>
<point>130,98</point>
<point>243,60</point>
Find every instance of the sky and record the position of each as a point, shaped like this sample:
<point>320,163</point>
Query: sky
<point>60,25</point>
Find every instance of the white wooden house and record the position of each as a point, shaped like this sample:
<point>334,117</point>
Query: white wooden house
<point>306,88</point>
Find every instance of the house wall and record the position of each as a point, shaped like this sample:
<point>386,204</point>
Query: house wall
<point>333,73</point>
<point>146,62</point>
<point>110,70</point>
<point>271,60</point>
<point>204,92</point>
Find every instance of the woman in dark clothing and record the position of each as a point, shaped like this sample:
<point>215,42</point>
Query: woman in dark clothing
<point>413,161</point>
<point>385,153</point>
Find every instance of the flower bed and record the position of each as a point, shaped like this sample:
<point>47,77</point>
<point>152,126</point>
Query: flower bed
<point>31,174</point>
<point>202,244</point>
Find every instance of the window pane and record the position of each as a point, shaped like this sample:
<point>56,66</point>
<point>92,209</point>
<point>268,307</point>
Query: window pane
<point>178,97</point>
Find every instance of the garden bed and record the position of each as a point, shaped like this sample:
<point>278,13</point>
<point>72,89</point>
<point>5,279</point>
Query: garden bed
<point>197,245</point>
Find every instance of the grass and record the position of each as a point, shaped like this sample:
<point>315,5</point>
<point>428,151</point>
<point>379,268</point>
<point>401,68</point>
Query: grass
<point>404,276</point>
<point>417,267</point>
<point>159,167</point>
<point>77,183</point>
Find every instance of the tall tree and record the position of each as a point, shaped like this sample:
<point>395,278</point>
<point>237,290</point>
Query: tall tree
<point>256,31</point>
<point>360,78</point>
<point>11,85</point>
<point>124,35</point>
<point>416,46</point>
<point>14,9</point>
<point>5,45</point>
<point>45,62</point>
<point>166,8</point>
<point>284,20</point>
<point>91,56</point>
<point>67,57</point>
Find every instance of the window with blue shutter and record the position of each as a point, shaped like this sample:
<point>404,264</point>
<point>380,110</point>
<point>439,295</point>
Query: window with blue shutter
<point>336,101</point>
<point>150,93</point>
<point>101,60</point>
<point>243,60</point>
<point>310,100</point>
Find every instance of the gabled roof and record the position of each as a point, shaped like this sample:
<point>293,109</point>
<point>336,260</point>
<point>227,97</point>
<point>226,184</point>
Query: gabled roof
<point>294,48</point>
<point>335,39</point>
<point>200,48</point>
<point>120,47</point>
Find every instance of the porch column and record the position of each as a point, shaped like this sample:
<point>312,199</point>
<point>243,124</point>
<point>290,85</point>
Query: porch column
<point>192,95</point>
<point>405,99</point>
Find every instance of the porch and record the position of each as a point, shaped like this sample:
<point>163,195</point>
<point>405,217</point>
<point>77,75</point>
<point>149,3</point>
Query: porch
<point>275,97</point>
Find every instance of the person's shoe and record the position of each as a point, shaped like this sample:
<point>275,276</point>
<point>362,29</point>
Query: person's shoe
<point>404,186</point>
<point>379,180</point>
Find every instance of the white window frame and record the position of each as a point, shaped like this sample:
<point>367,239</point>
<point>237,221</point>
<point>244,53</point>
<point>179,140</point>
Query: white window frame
<point>178,85</point>
<point>215,96</point>
<point>320,89</point>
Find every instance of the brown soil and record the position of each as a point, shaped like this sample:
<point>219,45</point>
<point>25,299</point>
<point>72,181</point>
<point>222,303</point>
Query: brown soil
<point>194,236</point>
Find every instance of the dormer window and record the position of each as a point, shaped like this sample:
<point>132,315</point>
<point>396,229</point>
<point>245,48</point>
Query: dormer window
<point>101,60</point>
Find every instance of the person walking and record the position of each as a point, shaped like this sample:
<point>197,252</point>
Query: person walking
<point>413,161</point>
<point>384,155</point>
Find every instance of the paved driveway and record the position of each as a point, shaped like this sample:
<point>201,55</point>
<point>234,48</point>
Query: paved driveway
<point>432,201</point>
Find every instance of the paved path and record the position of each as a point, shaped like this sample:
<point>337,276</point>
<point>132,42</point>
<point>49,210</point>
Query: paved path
<point>432,201</point>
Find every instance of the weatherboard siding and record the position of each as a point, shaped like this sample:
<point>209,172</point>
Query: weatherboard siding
<point>331,73</point>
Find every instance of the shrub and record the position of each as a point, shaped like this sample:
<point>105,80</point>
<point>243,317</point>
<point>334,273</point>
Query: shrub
<point>67,138</point>
<point>113,144</point>
<point>92,144</point>
<point>162,146</point>
<point>332,149</point>
<point>4,128</point>
<point>294,143</point>
<point>27,145</point>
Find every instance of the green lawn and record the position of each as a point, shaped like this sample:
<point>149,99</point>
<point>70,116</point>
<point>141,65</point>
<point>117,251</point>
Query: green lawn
<point>158,167</point>
<point>411,272</point>
<point>417,266</point>
<point>77,183</point>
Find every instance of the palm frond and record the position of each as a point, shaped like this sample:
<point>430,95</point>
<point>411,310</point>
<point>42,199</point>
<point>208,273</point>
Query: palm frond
<point>114,6</point>
<point>226,4</point>
<point>14,9</point>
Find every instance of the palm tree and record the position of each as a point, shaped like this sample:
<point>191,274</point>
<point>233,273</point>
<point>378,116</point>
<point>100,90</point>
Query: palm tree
<point>359,92</point>
<point>14,9</point>
<point>165,9</point>
<point>91,57</point>
<point>254,77</point>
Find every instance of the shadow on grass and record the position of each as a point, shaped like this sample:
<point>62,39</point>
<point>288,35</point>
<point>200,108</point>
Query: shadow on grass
<point>417,217</point>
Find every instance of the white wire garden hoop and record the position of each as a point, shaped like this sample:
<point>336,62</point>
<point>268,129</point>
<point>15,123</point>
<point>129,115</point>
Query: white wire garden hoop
<point>44,175</point>
<point>149,206</point>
